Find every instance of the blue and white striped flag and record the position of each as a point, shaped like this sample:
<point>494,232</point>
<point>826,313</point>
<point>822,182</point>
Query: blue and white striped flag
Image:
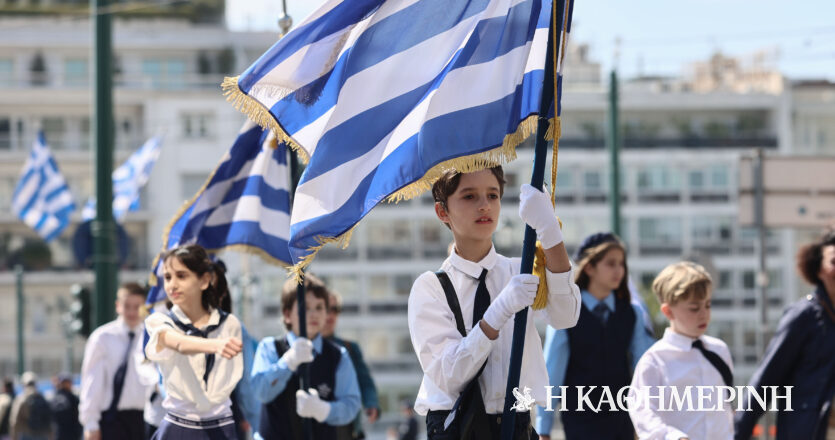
<point>128,179</point>
<point>244,205</point>
<point>381,96</point>
<point>42,198</point>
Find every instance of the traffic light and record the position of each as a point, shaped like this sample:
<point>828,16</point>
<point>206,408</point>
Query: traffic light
<point>80,310</point>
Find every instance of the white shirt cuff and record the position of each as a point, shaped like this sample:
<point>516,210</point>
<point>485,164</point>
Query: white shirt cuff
<point>560,283</point>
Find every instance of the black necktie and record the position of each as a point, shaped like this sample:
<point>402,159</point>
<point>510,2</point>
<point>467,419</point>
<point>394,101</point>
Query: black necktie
<point>600,311</point>
<point>121,372</point>
<point>190,330</point>
<point>717,363</point>
<point>482,298</point>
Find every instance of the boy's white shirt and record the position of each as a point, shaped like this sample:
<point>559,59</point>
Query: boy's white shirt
<point>449,361</point>
<point>673,362</point>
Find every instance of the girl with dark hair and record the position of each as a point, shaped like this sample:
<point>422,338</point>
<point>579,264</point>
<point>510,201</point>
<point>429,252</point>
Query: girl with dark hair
<point>602,349</point>
<point>197,387</point>
<point>802,355</point>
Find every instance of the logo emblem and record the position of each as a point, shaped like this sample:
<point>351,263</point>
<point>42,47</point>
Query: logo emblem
<point>524,402</point>
<point>324,390</point>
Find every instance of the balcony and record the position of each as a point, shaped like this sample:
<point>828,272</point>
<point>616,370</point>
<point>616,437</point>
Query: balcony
<point>765,141</point>
<point>49,81</point>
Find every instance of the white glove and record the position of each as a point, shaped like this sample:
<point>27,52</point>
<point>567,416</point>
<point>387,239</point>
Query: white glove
<point>308,404</point>
<point>301,352</point>
<point>518,294</point>
<point>536,210</point>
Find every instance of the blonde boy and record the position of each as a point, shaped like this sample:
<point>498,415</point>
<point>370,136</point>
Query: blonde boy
<point>683,360</point>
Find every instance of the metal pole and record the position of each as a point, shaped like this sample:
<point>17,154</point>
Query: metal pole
<point>762,274</point>
<point>613,141</point>
<point>304,377</point>
<point>103,228</point>
<point>21,317</point>
<point>529,244</point>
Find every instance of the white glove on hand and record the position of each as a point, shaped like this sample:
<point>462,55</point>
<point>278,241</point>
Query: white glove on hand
<point>518,294</point>
<point>308,404</point>
<point>536,210</point>
<point>301,352</point>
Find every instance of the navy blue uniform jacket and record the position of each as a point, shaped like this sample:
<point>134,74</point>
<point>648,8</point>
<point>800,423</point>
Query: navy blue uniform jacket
<point>801,354</point>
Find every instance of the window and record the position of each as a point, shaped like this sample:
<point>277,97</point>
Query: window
<point>565,181</point>
<point>712,229</point>
<point>6,71</point>
<point>167,74</point>
<point>660,230</point>
<point>197,125</point>
<point>191,184</point>
<point>725,279</point>
<point>76,72</point>
<point>592,181</point>
<point>54,129</point>
<point>719,176</point>
<point>658,178</point>
<point>749,279</point>
<point>5,134</point>
<point>696,179</point>
<point>7,186</point>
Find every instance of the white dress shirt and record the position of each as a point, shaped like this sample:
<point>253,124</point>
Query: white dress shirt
<point>186,395</point>
<point>449,361</point>
<point>104,352</point>
<point>673,362</point>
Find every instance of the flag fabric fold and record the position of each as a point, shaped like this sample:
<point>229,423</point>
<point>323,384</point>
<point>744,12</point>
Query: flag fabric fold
<point>244,205</point>
<point>42,198</point>
<point>128,179</point>
<point>381,96</point>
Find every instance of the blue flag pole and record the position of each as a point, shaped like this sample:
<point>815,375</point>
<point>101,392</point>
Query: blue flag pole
<point>304,369</point>
<point>529,244</point>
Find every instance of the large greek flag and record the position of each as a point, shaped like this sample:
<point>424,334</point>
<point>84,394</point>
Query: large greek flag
<point>244,205</point>
<point>382,96</point>
<point>42,198</point>
<point>128,179</point>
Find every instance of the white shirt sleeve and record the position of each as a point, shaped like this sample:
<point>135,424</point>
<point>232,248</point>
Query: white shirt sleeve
<point>155,325</point>
<point>226,372</point>
<point>563,307</point>
<point>644,413</point>
<point>446,357</point>
<point>93,389</point>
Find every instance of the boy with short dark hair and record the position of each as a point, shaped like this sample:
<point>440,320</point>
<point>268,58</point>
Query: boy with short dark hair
<point>684,357</point>
<point>488,290</point>
<point>333,398</point>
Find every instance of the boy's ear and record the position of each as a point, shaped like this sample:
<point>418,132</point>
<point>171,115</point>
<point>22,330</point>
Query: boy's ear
<point>441,212</point>
<point>665,309</point>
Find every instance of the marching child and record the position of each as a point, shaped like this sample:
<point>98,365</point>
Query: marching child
<point>487,289</point>
<point>333,398</point>
<point>601,350</point>
<point>196,346</point>
<point>684,357</point>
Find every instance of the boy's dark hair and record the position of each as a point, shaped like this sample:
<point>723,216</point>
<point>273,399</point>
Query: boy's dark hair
<point>449,180</point>
<point>133,288</point>
<point>195,259</point>
<point>312,285</point>
<point>810,257</point>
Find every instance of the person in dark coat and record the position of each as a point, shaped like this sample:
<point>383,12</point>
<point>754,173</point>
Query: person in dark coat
<point>64,405</point>
<point>801,355</point>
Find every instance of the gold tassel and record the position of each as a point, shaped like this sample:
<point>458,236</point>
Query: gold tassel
<point>541,299</point>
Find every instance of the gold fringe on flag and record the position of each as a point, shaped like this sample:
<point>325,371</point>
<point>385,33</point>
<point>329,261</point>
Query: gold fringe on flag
<point>259,114</point>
